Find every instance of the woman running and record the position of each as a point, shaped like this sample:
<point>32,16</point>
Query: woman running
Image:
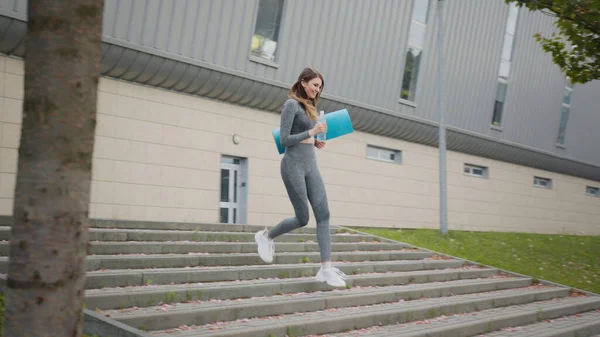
<point>301,175</point>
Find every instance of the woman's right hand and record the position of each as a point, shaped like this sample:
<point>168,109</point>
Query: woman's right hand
<point>319,128</point>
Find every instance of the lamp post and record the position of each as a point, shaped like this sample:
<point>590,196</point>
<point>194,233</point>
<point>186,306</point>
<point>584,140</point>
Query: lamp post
<point>442,125</point>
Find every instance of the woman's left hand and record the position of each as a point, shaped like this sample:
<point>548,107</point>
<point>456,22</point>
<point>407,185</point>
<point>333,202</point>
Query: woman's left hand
<point>319,145</point>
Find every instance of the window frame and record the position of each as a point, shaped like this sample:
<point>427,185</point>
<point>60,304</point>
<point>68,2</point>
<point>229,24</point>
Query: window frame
<point>397,154</point>
<point>421,49</point>
<point>596,192</point>
<point>501,80</point>
<point>500,125</point>
<point>471,167</point>
<point>565,109</point>
<point>278,48</point>
<point>536,179</point>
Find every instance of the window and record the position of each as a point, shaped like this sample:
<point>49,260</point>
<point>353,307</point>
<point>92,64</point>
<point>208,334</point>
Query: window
<point>266,29</point>
<point>593,191</point>
<point>505,63</point>
<point>416,42</point>
<point>564,112</point>
<point>499,105</point>
<point>387,155</point>
<point>542,182</point>
<point>476,171</point>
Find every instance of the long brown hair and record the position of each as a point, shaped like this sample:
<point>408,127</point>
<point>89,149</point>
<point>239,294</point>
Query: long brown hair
<point>297,92</point>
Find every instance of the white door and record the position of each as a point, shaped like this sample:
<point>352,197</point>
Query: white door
<point>231,181</point>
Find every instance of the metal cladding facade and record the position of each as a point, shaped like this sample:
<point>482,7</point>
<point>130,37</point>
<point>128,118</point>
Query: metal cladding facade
<point>202,47</point>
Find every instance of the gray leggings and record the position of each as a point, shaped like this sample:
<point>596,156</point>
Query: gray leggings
<point>303,180</point>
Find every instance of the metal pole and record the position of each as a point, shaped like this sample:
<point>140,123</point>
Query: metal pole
<point>442,127</point>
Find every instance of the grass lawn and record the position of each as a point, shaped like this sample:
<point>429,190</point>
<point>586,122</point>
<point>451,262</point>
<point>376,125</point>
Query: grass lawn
<point>565,259</point>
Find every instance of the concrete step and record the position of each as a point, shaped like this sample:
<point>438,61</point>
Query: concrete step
<point>204,312</point>
<point>199,236</point>
<point>356,317</point>
<point>136,247</point>
<point>184,247</point>
<point>207,280</point>
<point>207,227</point>
<point>579,325</point>
<point>140,261</point>
<point>141,296</point>
<point>565,317</point>
<point>122,278</point>
<point>104,234</point>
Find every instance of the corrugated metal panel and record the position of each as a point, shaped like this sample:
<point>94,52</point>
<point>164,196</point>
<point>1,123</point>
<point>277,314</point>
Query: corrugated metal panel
<point>202,47</point>
<point>108,21</point>
<point>20,6</point>
<point>12,5</point>
<point>292,36</point>
<point>333,36</point>
<point>472,49</point>
<point>583,128</point>
<point>534,96</point>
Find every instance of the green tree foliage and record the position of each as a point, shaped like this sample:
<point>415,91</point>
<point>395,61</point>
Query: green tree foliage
<point>575,48</point>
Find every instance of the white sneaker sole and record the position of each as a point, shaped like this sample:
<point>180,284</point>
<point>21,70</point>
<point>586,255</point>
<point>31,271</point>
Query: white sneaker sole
<point>256,239</point>
<point>321,279</point>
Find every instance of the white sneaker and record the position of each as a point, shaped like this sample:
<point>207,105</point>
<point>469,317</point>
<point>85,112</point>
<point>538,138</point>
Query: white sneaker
<point>266,246</point>
<point>333,276</point>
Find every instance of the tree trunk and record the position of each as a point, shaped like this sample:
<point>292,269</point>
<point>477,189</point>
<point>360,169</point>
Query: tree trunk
<point>49,238</point>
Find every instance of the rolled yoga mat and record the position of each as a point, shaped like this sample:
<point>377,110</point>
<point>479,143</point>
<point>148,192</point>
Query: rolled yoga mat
<point>338,124</point>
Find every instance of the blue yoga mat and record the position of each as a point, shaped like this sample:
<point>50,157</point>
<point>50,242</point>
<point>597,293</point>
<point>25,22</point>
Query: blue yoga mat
<point>338,124</point>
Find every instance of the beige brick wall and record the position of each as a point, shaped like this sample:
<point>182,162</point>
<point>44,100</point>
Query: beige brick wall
<point>157,157</point>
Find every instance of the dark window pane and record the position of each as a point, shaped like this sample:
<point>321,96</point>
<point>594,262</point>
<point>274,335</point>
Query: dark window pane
<point>497,118</point>
<point>564,118</point>
<point>411,74</point>
<point>235,183</point>
<point>224,218</point>
<point>501,92</point>
<point>224,185</point>
<point>499,105</point>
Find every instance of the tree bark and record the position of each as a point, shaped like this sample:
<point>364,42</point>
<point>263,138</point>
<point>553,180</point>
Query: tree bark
<point>49,238</point>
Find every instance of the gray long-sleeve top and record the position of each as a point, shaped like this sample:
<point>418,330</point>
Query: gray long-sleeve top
<point>295,123</point>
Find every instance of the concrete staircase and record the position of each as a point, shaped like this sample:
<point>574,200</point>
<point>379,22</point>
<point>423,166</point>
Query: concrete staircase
<point>188,280</point>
